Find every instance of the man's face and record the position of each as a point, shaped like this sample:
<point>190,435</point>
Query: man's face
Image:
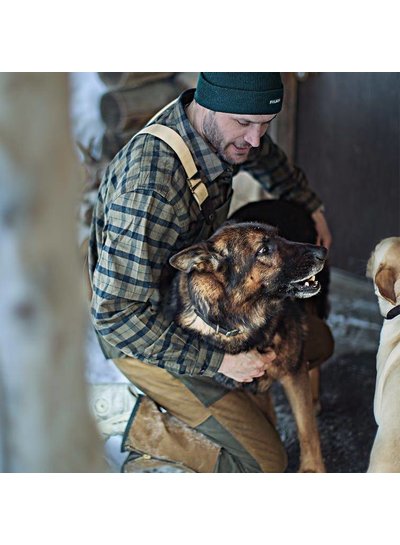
<point>233,135</point>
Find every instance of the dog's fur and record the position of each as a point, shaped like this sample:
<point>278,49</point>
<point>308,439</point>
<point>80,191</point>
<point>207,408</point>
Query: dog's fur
<point>246,278</point>
<point>384,268</point>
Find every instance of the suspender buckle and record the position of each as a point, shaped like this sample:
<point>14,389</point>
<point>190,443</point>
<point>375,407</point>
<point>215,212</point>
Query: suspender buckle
<point>198,189</point>
<point>200,194</point>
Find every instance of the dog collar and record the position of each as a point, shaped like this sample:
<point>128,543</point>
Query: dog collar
<point>393,313</point>
<point>216,327</point>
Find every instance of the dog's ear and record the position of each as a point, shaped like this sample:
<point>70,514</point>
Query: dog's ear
<point>197,257</point>
<point>384,280</point>
<point>369,273</point>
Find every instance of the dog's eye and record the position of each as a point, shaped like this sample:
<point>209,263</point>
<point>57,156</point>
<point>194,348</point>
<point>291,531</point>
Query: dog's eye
<point>265,250</point>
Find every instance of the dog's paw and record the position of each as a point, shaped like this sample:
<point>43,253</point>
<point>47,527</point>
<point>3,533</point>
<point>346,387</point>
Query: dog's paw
<point>309,469</point>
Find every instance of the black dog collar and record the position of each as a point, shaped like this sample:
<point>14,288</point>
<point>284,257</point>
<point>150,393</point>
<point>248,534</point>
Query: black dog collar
<point>216,327</point>
<point>393,313</point>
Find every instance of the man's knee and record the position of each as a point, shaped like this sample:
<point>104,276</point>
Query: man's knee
<point>246,450</point>
<point>230,463</point>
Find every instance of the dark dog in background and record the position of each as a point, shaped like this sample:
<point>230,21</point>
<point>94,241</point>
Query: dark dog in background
<point>239,290</point>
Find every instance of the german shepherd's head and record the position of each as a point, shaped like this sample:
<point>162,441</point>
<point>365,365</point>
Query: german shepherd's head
<point>238,279</point>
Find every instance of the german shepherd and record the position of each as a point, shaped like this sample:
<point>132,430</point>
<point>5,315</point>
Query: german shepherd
<point>238,290</point>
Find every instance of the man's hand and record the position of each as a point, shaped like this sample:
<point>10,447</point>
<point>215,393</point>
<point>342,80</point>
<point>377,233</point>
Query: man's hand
<point>324,237</point>
<point>246,366</point>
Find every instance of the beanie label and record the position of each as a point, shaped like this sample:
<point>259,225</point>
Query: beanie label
<point>276,101</point>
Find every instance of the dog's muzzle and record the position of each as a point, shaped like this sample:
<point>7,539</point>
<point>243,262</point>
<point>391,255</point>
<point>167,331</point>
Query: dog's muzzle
<point>305,288</point>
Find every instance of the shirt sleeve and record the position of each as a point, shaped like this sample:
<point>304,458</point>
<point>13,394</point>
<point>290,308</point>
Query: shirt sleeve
<point>140,235</point>
<point>270,166</point>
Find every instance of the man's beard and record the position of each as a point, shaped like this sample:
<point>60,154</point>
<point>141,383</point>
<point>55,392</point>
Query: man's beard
<point>216,140</point>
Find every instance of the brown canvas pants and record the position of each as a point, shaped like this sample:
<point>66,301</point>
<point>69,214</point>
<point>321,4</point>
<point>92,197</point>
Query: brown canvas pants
<point>242,436</point>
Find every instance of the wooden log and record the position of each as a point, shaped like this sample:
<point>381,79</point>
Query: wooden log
<point>114,141</point>
<point>45,423</point>
<point>188,80</point>
<point>285,135</point>
<point>132,79</point>
<point>125,108</point>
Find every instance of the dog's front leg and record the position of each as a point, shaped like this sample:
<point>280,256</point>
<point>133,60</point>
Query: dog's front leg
<point>298,391</point>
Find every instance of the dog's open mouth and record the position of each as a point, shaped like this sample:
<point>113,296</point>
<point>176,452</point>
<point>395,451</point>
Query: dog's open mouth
<point>305,288</point>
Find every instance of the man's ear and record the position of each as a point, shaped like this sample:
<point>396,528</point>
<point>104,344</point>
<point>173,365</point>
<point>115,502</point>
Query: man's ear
<point>384,280</point>
<point>197,257</point>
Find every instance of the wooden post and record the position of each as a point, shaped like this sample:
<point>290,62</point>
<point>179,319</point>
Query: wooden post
<point>45,425</point>
<point>283,129</point>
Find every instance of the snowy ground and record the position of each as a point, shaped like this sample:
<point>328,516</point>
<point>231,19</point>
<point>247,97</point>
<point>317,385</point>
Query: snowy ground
<point>347,426</point>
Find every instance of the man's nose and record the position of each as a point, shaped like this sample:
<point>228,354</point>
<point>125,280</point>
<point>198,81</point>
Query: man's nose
<point>253,135</point>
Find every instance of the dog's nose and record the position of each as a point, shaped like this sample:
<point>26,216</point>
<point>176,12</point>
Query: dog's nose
<point>320,253</point>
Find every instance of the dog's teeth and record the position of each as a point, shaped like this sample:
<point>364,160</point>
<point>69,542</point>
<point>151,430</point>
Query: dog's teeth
<point>312,279</point>
<point>306,284</point>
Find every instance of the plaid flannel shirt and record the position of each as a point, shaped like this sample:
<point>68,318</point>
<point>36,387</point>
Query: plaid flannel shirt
<point>145,212</point>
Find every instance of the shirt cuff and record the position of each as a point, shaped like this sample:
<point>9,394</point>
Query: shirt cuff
<point>314,204</point>
<point>208,363</point>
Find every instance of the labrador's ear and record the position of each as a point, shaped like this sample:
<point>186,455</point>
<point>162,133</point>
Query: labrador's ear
<point>385,279</point>
<point>369,273</point>
<point>197,257</point>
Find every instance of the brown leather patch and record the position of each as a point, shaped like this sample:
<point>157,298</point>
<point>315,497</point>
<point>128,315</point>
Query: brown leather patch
<point>164,437</point>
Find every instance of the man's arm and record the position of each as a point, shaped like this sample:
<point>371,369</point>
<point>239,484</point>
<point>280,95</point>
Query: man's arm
<point>141,232</point>
<point>324,237</point>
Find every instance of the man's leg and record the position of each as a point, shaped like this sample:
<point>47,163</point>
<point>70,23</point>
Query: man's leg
<point>245,438</point>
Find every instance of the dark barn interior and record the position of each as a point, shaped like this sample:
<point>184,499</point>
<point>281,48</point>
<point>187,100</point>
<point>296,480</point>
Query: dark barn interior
<point>348,143</point>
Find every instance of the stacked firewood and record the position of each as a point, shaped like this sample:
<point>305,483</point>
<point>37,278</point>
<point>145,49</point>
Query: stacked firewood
<point>130,100</point>
<point>133,98</point>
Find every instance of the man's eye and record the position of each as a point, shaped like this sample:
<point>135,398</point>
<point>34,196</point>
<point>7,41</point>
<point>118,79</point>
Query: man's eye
<point>242,123</point>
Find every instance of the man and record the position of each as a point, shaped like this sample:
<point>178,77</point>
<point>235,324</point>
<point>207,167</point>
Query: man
<point>147,210</point>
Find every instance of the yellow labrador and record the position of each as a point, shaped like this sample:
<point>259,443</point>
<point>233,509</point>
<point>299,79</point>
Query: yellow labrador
<point>384,268</point>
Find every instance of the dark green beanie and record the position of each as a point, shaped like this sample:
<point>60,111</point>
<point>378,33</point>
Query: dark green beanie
<point>253,93</point>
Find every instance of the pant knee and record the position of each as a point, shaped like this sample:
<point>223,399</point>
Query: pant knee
<point>232,463</point>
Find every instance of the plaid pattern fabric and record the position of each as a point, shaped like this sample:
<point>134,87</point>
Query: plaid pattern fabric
<point>145,213</point>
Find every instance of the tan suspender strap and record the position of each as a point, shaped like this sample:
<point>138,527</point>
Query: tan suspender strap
<point>176,142</point>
